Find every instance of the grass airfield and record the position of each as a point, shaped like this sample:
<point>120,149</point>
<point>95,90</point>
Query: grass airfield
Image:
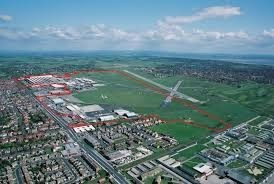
<point>128,94</point>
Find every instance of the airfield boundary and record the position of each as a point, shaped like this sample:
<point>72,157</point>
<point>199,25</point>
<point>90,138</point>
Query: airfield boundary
<point>166,93</point>
<point>156,89</point>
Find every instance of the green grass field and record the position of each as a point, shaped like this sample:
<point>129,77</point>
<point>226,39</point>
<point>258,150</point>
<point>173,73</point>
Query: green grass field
<point>212,93</point>
<point>123,92</point>
<point>237,164</point>
<point>258,121</point>
<point>181,132</point>
<point>193,162</point>
<point>188,153</point>
<point>128,94</point>
<point>250,95</point>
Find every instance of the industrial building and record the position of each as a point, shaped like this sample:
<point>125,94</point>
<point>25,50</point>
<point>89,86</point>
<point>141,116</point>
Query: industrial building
<point>106,118</point>
<point>117,155</point>
<point>217,156</point>
<point>171,162</point>
<point>81,127</point>
<point>91,108</point>
<point>128,114</point>
<point>41,79</point>
<point>204,168</point>
<point>267,160</point>
<point>144,170</point>
<point>58,101</point>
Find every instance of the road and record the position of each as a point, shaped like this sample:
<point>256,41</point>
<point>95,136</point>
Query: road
<point>177,93</point>
<point>19,175</point>
<point>90,152</point>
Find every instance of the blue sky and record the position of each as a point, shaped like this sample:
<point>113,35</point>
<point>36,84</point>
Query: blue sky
<point>225,26</point>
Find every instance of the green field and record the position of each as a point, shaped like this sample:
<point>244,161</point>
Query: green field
<point>237,164</point>
<point>131,95</point>
<point>123,92</point>
<point>258,121</point>
<point>248,95</point>
<point>188,153</point>
<point>259,97</point>
<point>181,132</point>
<point>193,162</point>
<point>212,94</point>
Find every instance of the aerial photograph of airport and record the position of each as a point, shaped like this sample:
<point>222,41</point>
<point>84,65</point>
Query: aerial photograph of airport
<point>136,92</point>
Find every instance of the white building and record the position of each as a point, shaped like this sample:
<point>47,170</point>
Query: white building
<point>204,169</point>
<point>58,101</point>
<point>107,118</point>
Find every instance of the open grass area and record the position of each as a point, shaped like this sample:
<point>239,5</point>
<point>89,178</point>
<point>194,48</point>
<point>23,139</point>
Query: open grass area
<point>190,152</point>
<point>123,92</point>
<point>193,162</point>
<point>213,94</point>
<point>258,121</point>
<point>255,96</point>
<point>237,164</point>
<point>250,95</point>
<point>126,93</point>
<point>181,132</point>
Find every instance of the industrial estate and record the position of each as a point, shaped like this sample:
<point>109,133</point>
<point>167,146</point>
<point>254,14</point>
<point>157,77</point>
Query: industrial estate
<point>128,126</point>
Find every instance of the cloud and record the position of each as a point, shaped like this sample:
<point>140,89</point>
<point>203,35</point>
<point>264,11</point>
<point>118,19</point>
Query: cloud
<point>5,18</point>
<point>162,36</point>
<point>12,34</point>
<point>93,32</point>
<point>165,35</point>
<point>269,33</point>
<point>166,32</point>
<point>171,32</point>
<point>206,13</point>
<point>215,35</point>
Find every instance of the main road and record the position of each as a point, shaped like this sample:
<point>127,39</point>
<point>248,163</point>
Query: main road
<point>19,175</point>
<point>177,93</point>
<point>90,152</point>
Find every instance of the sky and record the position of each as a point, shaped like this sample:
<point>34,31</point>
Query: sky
<point>192,26</point>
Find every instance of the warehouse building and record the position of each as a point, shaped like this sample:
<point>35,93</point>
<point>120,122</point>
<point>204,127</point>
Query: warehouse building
<point>58,101</point>
<point>128,114</point>
<point>204,168</point>
<point>171,162</point>
<point>81,127</point>
<point>118,155</point>
<point>107,118</point>
<point>91,108</point>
